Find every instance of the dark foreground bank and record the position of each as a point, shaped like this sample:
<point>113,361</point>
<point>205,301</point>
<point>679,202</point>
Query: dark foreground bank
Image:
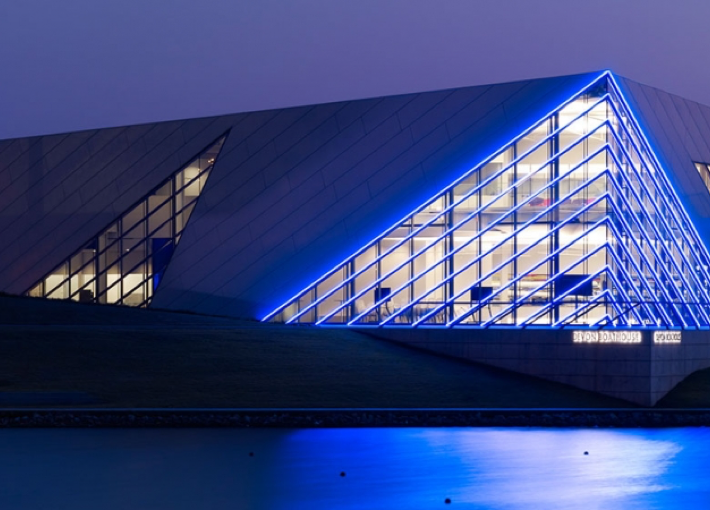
<point>69,360</point>
<point>347,418</point>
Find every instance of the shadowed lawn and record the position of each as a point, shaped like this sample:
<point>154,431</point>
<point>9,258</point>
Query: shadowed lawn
<point>137,358</point>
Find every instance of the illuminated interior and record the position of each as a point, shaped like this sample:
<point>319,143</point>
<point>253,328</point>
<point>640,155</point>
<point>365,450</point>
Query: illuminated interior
<point>704,170</point>
<point>125,262</point>
<point>572,223</point>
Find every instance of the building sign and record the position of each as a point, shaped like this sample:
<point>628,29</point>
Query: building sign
<point>606,337</point>
<point>666,337</point>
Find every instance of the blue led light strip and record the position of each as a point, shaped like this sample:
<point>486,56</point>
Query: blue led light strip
<point>515,232</point>
<point>597,324</point>
<point>520,301</point>
<point>558,299</point>
<point>577,311</point>
<point>702,250</point>
<point>469,217</point>
<point>612,301</point>
<point>479,234</point>
<point>641,276</point>
<point>683,276</point>
<point>620,289</point>
<point>660,182</point>
<point>450,208</point>
<point>659,214</point>
<point>643,232</point>
<point>522,275</point>
<point>487,160</point>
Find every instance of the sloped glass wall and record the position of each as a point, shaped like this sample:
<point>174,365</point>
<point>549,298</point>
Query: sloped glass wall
<point>573,223</point>
<point>125,262</point>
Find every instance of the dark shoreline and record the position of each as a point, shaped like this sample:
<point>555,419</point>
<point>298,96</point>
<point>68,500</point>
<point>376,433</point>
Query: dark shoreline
<point>345,418</point>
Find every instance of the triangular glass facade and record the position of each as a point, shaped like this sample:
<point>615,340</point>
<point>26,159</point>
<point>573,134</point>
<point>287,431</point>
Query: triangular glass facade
<point>572,223</point>
<point>125,262</point>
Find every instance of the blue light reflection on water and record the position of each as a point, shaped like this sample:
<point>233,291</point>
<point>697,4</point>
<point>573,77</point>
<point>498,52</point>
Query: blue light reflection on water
<point>406,468</point>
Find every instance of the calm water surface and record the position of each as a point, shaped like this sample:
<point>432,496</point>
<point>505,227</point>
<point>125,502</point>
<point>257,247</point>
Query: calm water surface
<point>384,468</point>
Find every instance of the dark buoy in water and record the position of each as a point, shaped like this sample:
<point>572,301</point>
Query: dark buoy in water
<point>586,453</point>
<point>342,473</point>
<point>447,501</point>
<point>251,454</point>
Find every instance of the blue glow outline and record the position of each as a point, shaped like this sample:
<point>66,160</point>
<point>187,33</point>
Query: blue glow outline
<point>661,182</point>
<point>596,324</point>
<point>522,275</point>
<point>472,215</point>
<point>480,233</point>
<point>515,232</point>
<point>659,191</point>
<point>554,302</point>
<point>576,312</point>
<point>518,230</point>
<point>435,197</point>
<point>617,236</point>
<point>641,276</point>
<point>697,251</point>
<point>521,300</point>
<point>629,232</point>
<point>625,295</point>
<point>450,208</point>
<point>611,302</point>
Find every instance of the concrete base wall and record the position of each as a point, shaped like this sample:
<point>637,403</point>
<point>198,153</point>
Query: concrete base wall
<point>638,372</point>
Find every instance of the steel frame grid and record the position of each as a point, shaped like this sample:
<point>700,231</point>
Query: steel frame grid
<point>659,187</point>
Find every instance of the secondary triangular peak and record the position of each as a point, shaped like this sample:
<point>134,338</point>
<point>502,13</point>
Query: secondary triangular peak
<point>573,222</point>
<point>124,263</point>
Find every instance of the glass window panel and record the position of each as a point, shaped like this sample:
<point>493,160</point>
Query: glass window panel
<point>160,223</point>
<point>704,171</point>
<point>467,275</point>
<point>430,272</point>
<point>647,239</point>
<point>134,283</point>
<point>129,220</point>
<point>130,242</point>
<point>432,212</point>
<point>56,284</point>
<point>82,262</point>
<point>464,194</point>
<point>362,287</point>
<point>133,258</point>
<point>37,291</point>
<point>110,284</point>
<point>336,299</point>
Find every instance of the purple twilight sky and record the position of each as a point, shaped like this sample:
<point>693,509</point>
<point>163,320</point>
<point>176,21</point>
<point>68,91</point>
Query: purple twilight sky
<point>76,64</point>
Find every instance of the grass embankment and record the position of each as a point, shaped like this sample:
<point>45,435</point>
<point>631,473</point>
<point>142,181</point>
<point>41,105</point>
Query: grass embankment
<point>137,358</point>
